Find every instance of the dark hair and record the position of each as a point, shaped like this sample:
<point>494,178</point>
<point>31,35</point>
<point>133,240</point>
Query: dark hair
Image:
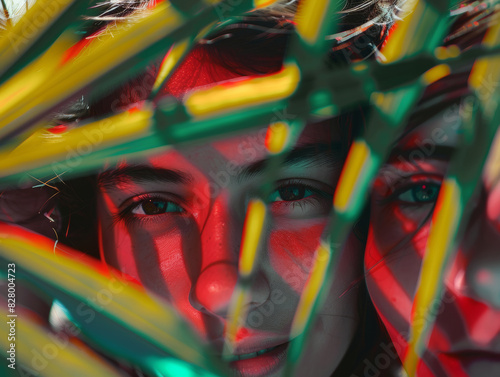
<point>255,46</point>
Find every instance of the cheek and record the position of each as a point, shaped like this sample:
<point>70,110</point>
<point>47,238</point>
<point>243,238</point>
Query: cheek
<point>393,260</point>
<point>161,259</point>
<point>395,228</point>
<point>292,251</point>
<point>157,255</point>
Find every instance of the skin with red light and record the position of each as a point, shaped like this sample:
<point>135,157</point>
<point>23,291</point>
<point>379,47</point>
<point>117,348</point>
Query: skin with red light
<point>181,238</point>
<point>465,340</point>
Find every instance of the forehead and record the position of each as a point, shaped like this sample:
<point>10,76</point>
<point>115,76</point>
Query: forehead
<point>439,129</point>
<point>247,147</point>
<point>200,70</point>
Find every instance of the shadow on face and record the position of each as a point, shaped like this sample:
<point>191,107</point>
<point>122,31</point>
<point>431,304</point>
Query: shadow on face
<point>466,335</point>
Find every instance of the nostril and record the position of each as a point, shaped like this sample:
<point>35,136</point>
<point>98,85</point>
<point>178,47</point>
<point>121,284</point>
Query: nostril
<point>215,286</point>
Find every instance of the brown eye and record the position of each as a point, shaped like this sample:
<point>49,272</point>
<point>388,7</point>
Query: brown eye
<point>156,207</point>
<point>292,193</point>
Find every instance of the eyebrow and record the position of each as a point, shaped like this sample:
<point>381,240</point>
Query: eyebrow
<point>321,154</point>
<point>141,173</point>
<point>310,154</point>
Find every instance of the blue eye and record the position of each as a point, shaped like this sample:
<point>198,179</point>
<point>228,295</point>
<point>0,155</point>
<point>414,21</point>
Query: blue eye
<point>290,193</point>
<point>156,207</point>
<point>421,193</point>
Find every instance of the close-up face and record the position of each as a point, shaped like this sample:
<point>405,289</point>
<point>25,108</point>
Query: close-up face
<point>465,340</point>
<point>251,188</point>
<point>174,223</point>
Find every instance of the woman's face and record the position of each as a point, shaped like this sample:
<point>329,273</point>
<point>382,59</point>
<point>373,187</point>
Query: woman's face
<point>465,340</point>
<point>174,222</point>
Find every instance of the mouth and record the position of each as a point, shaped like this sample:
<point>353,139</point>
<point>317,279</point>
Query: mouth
<point>259,363</point>
<point>245,356</point>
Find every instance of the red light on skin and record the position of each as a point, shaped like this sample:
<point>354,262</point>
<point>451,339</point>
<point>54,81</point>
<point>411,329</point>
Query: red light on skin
<point>440,344</point>
<point>380,274</point>
<point>419,241</point>
<point>482,321</point>
<point>452,366</point>
<point>58,129</point>
<point>438,339</point>
<point>292,253</point>
<point>215,285</point>
<point>241,334</point>
<point>409,226</point>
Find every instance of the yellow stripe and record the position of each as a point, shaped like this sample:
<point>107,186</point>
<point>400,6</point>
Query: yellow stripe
<point>44,147</point>
<point>237,312</point>
<point>277,137</point>
<point>254,223</point>
<point>442,52</point>
<point>310,18</point>
<point>359,155</point>
<point>441,235</point>
<point>19,87</point>
<point>398,44</point>
<point>85,282</point>
<point>263,3</point>
<point>386,102</point>
<point>478,73</point>
<point>311,290</point>
<point>174,55</point>
<point>117,44</point>
<point>359,67</point>
<point>36,20</point>
<point>435,73</point>
<point>247,93</point>
<point>66,359</point>
<point>486,70</point>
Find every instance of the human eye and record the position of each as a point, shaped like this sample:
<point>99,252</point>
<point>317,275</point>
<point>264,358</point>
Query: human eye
<point>301,197</point>
<point>420,193</point>
<point>146,206</point>
<point>414,190</point>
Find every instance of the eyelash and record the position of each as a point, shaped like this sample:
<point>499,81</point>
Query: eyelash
<point>126,215</point>
<point>406,183</point>
<point>313,199</point>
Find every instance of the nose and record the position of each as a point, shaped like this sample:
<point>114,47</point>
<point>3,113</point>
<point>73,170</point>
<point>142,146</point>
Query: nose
<point>476,270</point>
<point>220,248</point>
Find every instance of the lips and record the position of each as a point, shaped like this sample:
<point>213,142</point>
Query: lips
<point>259,363</point>
<point>249,355</point>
